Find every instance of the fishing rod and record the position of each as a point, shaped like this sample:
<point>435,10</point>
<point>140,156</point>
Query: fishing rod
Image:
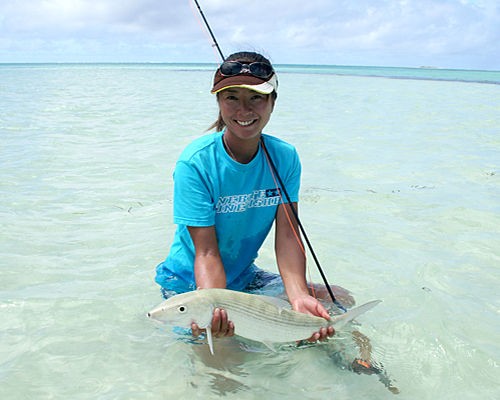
<point>302,230</point>
<point>210,30</point>
<point>275,172</point>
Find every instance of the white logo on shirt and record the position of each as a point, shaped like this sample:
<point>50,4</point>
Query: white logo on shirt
<point>242,202</point>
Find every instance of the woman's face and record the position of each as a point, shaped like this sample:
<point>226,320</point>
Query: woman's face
<point>245,112</point>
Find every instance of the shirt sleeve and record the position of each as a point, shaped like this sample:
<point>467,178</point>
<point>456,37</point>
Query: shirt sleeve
<point>193,202</point>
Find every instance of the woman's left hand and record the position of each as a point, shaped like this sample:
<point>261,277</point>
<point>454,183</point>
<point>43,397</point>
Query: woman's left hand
<point>309,305</point>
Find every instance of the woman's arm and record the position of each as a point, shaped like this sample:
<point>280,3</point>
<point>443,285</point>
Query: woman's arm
<point>208,267</point>
<point>209,273</point>
<point>289,255</point>
<point>292,266</point>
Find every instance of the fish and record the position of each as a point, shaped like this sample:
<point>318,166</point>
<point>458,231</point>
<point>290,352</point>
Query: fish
<point>259,318</point>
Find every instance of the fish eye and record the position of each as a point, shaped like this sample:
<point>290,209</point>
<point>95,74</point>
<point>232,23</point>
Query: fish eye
<point>182,309</point>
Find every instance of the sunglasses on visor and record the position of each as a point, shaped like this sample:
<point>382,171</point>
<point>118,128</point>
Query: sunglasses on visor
<point>257,69</point>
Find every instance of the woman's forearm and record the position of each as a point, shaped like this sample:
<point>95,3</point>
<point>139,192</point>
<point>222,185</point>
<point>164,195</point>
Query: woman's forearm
<point>208,268</point>
<point>209,272</point>
<point>289,254</point>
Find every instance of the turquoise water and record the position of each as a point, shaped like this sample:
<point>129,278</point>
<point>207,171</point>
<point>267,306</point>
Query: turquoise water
<point>423,73</point>
<point>400,198</point>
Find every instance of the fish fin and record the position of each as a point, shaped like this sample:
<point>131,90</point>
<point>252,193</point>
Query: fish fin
<point>340,320</point>
<point>269,346</point>
<point>210,339</point>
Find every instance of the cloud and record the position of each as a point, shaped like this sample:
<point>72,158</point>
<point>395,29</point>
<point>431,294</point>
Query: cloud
<point>86,17</point>
<point>455,32</point>
<point>412,30</point>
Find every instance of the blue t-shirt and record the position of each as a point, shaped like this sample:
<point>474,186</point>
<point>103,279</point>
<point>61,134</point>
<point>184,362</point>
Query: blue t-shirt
<point>241,200</point>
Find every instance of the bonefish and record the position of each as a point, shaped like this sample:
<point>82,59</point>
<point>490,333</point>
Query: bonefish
<point>260,318</point>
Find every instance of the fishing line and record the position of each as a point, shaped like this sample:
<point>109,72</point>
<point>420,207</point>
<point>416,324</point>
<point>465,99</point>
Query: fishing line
<point>274,171</point>
<point>210,30</point>
<point>289,219</point>
<point>203,29</point>
<point>309,245</point>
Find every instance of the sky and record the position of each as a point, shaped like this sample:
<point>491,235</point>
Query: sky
<point>460,34</point>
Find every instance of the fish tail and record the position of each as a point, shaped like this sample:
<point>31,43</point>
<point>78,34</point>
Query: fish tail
<point>340,320</point>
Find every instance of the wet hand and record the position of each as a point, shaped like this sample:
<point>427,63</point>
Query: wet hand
<point>309,305</point>
<point>322,335</point>
<point>221,326</point>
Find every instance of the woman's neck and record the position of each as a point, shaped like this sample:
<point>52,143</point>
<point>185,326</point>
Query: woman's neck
<point>242,151</point>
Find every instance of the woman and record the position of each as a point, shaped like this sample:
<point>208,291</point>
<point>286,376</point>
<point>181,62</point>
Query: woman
<point>226,198</point>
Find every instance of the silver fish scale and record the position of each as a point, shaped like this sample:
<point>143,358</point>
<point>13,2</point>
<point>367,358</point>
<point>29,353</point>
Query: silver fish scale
<point>257,318</point>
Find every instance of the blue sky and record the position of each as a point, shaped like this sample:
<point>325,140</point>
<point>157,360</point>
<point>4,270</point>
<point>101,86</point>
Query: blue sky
<point>443,33</point>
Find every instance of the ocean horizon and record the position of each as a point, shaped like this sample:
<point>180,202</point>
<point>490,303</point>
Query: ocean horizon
<point>422,72</point>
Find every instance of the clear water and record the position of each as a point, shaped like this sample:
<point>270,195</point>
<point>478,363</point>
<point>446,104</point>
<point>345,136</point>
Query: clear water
<point>400,198</point>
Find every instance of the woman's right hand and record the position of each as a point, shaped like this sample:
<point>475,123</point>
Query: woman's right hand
<point>221,326</point>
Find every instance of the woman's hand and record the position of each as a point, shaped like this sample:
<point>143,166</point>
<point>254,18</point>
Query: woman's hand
<point>309,305</point>
<point>221,326</point>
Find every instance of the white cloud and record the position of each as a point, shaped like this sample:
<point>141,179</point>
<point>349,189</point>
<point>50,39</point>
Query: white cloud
<point>458,33</point>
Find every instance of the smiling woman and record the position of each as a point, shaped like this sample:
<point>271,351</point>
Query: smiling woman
<point>245,113</point>
<point>260,78</point>
<point>226,200</point>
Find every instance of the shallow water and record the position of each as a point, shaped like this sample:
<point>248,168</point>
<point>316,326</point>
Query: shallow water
<point>400,199</point>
